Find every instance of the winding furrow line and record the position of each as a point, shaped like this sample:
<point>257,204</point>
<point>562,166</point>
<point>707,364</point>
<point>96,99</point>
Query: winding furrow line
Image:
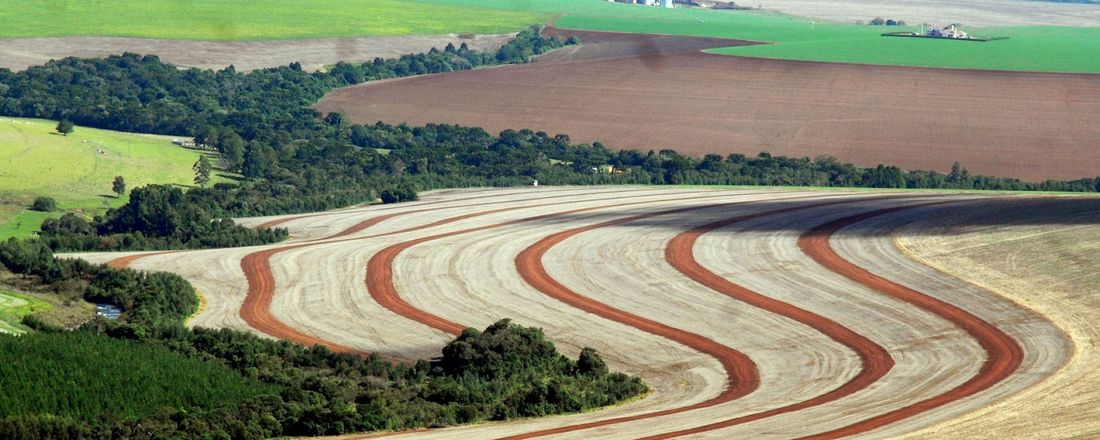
<point>1003,353</point>
<point>380,280</point>
<point>875,360</point>
<point>529,264</point>
<point>256,309</point>
<point>353,210</point>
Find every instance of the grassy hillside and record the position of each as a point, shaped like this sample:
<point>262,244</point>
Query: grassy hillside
<point>77,170</point>
<point>13,307</point>
<point>250,19</point>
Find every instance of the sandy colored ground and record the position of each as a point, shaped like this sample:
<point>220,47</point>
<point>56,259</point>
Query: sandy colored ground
<point>705,293</point>
<point>970,12</point>
<point>20,53</point>
<point>1044,257</point>
<point>656,94</point>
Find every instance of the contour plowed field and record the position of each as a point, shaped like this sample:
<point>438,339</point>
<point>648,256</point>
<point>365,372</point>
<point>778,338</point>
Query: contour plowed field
<point>750,313</point>
<point>647,92</point>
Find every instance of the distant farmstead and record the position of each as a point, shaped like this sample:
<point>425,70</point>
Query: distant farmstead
<point>664,3</point>
<point>949,31</point>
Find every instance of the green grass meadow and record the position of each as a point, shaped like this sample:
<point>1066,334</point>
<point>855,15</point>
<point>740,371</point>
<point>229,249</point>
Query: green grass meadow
<point>14,306</point>
<point>77,170</point>
<point>251,19</point>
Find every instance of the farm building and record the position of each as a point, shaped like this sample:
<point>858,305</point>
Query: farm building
<point>949,31</point>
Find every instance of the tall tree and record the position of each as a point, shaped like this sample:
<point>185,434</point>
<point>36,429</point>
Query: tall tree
<point>202,171</point>
<point>65,127</point>
<point>119,186</point>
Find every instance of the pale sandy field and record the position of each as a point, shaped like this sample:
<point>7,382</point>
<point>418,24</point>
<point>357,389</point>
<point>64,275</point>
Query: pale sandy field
<point>751,313</point>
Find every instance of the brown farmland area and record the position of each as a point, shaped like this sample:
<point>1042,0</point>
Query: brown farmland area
<point>654,92</point>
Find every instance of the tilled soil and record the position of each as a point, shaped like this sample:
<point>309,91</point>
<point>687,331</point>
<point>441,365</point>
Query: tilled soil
<point>656,92</point>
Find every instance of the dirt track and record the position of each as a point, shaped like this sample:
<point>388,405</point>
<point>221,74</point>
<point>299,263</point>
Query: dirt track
<point>660,92</point>
<point>745,333</point>
<point>21,53</point>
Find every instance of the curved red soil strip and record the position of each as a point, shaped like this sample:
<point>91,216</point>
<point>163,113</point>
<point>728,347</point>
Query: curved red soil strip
<point>529,264</point>
<point>280,221</point>
<point>1003,353</point>
<point>874,359</point>
<point>122,262</point>
<point>379,278</point>
<point>256,309</point>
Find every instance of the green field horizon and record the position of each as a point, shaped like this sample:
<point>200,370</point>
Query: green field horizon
<point>1028,48</point>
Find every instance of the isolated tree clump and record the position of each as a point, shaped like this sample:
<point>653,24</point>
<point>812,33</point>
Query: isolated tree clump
<point>65,127</point>
<point>44,204</point>
<point>119,186</point>
<point>202,171</point>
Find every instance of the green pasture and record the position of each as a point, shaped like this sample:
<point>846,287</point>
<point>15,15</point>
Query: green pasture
<point>14,306</point>
<point>77,170</point>
<point>250,19</point>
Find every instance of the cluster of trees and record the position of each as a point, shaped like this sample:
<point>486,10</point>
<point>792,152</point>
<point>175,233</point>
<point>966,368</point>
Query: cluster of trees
<point>85,376</point>
<point>156,217</point>
<point>139,93</point>
<point>148,298</point>
<point>879,21</point>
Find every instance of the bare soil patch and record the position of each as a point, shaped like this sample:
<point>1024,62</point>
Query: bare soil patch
<point>21,53</point>
<point>648,92</point>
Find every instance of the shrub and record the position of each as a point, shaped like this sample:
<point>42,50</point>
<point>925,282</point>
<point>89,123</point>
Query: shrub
<point>44,204</point>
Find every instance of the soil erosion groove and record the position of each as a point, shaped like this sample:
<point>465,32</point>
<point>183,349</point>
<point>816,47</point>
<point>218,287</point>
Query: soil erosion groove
<point>529,264</point>
<point>1003,353</point>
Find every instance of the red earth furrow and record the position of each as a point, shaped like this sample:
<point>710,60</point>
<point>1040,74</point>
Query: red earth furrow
<point>531,268</point>
<point>280,221</point>
<point>256,309</point>
<point>1003,353</point>
<point>874,359</point>
<point>380,282</point>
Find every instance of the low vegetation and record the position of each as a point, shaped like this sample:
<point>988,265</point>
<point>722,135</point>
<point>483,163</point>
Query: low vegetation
<point>14,307</point>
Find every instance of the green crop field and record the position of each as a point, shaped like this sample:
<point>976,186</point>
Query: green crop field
<point>77,170</point>
<point>250,19</point>
<point>13,307</point>
<point>1031,48</point>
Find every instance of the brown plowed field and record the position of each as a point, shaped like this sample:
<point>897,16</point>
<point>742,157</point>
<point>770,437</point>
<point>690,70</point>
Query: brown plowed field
<point>647,92</point>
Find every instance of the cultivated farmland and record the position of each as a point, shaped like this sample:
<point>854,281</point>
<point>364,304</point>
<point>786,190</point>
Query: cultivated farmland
<point>750,312</point>
<point>647,92</point>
